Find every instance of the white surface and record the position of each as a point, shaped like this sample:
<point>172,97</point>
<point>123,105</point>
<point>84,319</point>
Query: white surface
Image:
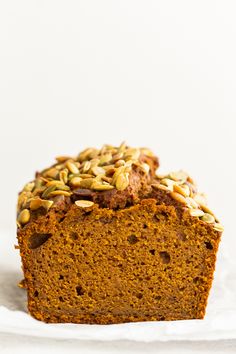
<point>155,73</point>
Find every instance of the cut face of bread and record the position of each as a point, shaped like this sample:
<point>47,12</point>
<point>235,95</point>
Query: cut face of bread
<point>142,263</point>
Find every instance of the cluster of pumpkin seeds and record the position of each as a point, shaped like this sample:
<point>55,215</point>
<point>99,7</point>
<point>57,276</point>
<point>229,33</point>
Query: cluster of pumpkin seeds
<point>183,189</point>
<point>99,170</point>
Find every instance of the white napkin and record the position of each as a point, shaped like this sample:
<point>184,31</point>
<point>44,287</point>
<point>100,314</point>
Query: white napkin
<point>219,323</point>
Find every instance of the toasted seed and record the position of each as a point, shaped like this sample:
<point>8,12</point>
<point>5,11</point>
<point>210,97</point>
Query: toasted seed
<point>105,159</point>
<point>161,186</point>
<point>72,167</point>
<point>119,163</point>
<point>117,156</point>
<point>84,203</point>
<point>168,182</point>
<point>85,175</point>
<point>36,203</point>
<point>52,173</point>
<point>75,181</point>
<point>183,189</point>
<point>86,166</point>
<point>106,179</point>
<point>63,175</point>
<point>61,159</point>
<point>178,197</point>
<point>24,216</point>
<point>29,187</point>
<point>98,171</point>
<point>110,171</point>
<point>59,167</point>
<point>55,183</point>
<point>196,212</point>
<point>131,153</point>
<point>178,176</point>
<point>161,176</point>
<point>63,187</point>
<point>85,154</point>
<point>192,203</point>
<point>207,210</point>
<point>101,187</point>
<point>122,181</point>
<point>60,192</point>
<point>208,218</point>
<point>48,191</point>
<point>86,183</point>
<point>218,227</point>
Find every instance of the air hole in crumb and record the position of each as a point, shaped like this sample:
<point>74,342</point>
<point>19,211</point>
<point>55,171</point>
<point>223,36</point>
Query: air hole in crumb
<point>162,318</point>
<point>181,235</point>
<point>145,226</point>
<point>36,240</point>
<point>162,215</point>
<point>36,293</point>
<point>61,219</point>
<point>158,297</point>
<point>152,252</point>
<point>72,256</point>
<point>61,277</point>
<point>165,257</point>
<point>74,235</point>
<point>132,239</point>
<point>208,245</point>
<point>79,290</point>
<point>61,299</point>
<point>139,296</point>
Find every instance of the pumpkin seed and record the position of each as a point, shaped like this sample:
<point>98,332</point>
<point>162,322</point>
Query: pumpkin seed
<point>63,175</point>
<point>75,181</point>
<point>60,192</point>
<point>218,227</point>
<point>36,203</point>
<point>24,216</point>
<point>122,181</point>
<point>29,187</point>
<point>196,212</point>
<point>86,166</point>
<point>72,167</point>
<point>98,171</point>
<point>179,176</point>
<point>52,173</point>
<point>105,159</point>
<point>178,197</point>
<point>62,159</point>
<point>208,218</point>
<point>84,203</point>
<point>48,191</point>
<point>192,203</point>
<point>86,183</point>
<point>101,187</point>
<point>183,189</point>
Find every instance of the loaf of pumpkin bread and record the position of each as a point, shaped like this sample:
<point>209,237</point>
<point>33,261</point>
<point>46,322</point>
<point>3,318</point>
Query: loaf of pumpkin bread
<point>104,239</point>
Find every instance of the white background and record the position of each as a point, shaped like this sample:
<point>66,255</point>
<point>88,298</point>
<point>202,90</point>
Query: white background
<point>154,73</point>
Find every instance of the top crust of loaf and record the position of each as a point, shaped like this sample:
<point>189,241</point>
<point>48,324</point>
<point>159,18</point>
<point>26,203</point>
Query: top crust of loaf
<point>114,178</point>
